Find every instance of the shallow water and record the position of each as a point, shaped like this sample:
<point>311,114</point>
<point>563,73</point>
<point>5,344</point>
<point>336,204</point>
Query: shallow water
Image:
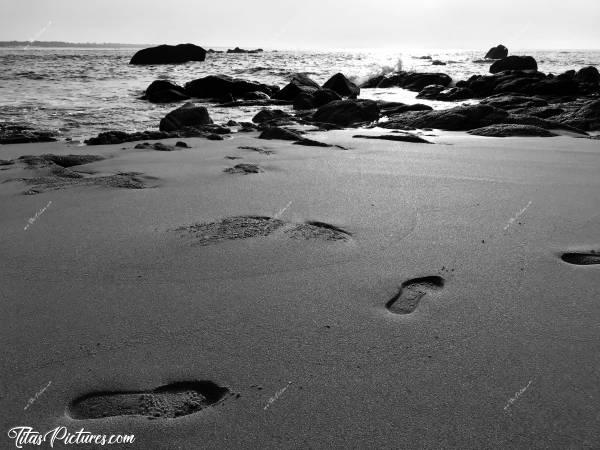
<point>81,92</point>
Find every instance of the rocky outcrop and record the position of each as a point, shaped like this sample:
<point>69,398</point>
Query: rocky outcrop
<point>299,84</point>
<point>437,62</point>
<point>189,115</point>
<point>506,130</point>
<point>241,50</point>
<point>315,100</point>
<point>412,81</point>
<point>588,75</point>
<point>439,92</point>
<point>169,54</point>
<point>514,62</point>
<point>531,83</point>
<point>163,91</point>
<point>342,86</point>
<point>498,52</point>
<point>585,116</point>
<point>224,87</point>
<point>347,112</point>
<point>21,134</point>
<point>455,119</point>
<point>280,133</point>
<point>269,115</point>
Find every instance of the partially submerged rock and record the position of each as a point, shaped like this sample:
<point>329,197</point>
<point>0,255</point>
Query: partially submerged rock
<point>163,91</point>
<point>514,62</point>
<point>21,134</point>
<point>498,52</point>
<point>225,87</point>
<point>413,81</point>
<point>169,54</point>
<point>188,115</point>
<point>299,84</point>
<point>395,137</point>
<point>348,112</point>
<point>342,86</point>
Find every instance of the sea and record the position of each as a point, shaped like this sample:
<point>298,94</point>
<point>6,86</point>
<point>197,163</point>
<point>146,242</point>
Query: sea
<point>80,92</point>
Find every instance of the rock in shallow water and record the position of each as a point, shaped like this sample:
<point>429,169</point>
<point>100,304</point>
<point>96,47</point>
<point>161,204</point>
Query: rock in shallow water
<point>347,112</point>
<point>163,91</point>
<point>498,52</point>
<point>188,115</point>
<point>514,62</point>
<point>169,54</point>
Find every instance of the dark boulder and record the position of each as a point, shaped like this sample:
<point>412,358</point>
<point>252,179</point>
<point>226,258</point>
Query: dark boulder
<point>342,86</point>
<point>21,134</point>
<point>437,62</point>
<point>585,117</point>
<point>514,63</point>
<point>189,115</point>
<point>256,95</point>
<point>223,86</point>
<point>412,81</point>
<point>347,112</point>
<point>390,108</point>
<point>316,99</point>
<point>169,54</point>
<point>506,130</point>
<point>514,101</point>
<point>439,92</point>
<point>299,84</point>
<point>498,52</point>
<point>588,75</point>
<point>268,115</point>
<point>459,118</point>
<point>163,91</point>
<point>280,133</point>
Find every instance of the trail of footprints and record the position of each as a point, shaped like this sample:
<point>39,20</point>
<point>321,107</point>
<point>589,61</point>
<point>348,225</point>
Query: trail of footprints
<point>412,291</point>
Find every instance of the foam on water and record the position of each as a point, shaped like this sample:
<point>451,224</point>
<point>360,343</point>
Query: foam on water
<point>81,92</point>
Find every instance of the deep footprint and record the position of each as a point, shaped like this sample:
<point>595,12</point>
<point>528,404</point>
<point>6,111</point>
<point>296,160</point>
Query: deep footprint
<point>411,292</point>
<point>582,258</point>
<point>166,402</point>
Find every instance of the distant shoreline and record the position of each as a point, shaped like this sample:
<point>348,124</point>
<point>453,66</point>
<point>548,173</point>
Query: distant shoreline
<point>61,44</point>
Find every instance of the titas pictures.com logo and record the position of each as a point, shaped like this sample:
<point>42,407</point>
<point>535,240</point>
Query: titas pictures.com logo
<point>27,436</point>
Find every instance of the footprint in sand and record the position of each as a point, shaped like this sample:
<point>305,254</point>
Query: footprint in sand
<point>166,402</point>
<point>582,258</point>
<point>411,292</point>
<point>246,227</point>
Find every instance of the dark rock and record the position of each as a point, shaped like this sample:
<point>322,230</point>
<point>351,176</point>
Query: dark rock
<point>439,92</point>
<point>311,143</point>
<point>347,112</point>
<point>390,108</point>
<point>244,169</point>
<point>188,115</point>
<point>241,50</point>
<point>514,63</point>
<point>181,144</point>
<point>316,99</point>
<point>395,137</point>
<point>455,119</point>
<point>299,84</point>
<point>215,137</point>
<point>588,75</point>
<point>162,91</point>
<point>423,57</point>
<point>514,101</point>
<point>21,134</point>
<point>586,117</point>
<point>342,86</point>
<point>280,133</point>
<point>412,81</point>
<point>506,130</point>
<point>267,115</point>
<point>156,146</point>
<point>256,95</point>
<point>543,112</point>
<point>223,86</point>
<point>498,52</point>
<point>437,62</point>
<point>169,54</point>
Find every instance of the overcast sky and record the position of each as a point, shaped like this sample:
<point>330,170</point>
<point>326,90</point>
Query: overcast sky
<point>309,24</point>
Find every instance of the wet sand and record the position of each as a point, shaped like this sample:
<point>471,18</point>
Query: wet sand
<point>392,295</point>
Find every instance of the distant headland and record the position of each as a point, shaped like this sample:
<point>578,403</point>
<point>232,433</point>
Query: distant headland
<point>54,44</point>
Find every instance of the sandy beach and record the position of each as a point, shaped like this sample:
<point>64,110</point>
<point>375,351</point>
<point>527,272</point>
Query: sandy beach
<point>390,295</point>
